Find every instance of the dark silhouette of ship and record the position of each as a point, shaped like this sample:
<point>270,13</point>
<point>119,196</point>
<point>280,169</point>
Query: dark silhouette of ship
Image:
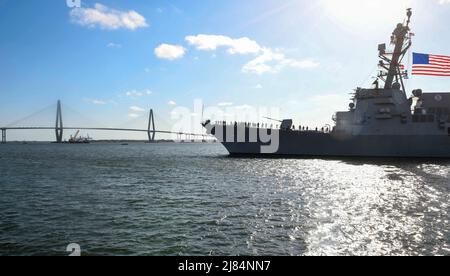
<point>382,121</point>
<point>76,139</point>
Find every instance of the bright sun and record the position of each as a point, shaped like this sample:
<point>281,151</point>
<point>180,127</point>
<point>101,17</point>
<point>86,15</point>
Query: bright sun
<point>365,13</point>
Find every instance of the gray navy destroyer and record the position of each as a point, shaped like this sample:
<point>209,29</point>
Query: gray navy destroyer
<point>382,121</point>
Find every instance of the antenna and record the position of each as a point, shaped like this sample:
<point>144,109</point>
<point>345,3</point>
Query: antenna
<point>203,110</point>
<point>391,62</point>
<point>280,121</point>
<point>409,14</point>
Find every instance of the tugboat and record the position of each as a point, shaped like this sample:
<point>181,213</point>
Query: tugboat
<point>382,121</point>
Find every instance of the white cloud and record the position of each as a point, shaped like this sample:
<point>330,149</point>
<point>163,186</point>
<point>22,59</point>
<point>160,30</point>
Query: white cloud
<point>134,115</point>
<point>98,102</point>
<point>244,107</point>
<point>114,45</point>
<point>137,94</point>
<point>175,9</point>
<point>170,52</point>
<point>267,61</point>
<point>136,109</point>
<point>443,2</point>
<point>95,101</point>
<point>173,103</point>
<point>270,61</point>
<point>258,86</point>
<point>225,104</point>
<point>242,45</point>
<point>106,18</point>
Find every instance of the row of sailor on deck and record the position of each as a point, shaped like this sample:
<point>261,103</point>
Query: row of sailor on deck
<point>270,126</point>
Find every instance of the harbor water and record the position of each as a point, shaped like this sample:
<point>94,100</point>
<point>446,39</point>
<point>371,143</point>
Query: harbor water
<point>193,199</point>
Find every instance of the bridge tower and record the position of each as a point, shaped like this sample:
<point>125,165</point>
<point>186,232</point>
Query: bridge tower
<point>59,124</point>
<point>151,127</point>
<point>3,136</point>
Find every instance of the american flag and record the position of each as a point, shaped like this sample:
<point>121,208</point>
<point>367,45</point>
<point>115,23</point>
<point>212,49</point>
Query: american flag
<point>431,65</point>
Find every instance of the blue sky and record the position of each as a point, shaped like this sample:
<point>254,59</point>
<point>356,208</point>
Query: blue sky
<point>112,60</point>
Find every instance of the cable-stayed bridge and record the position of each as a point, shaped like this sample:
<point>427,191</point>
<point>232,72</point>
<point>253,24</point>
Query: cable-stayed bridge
<point>59,129</point>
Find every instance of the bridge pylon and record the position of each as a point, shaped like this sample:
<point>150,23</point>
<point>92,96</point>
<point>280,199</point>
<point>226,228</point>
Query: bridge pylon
<point>151,127</point>
<point>59,129</point>
<point>3,136</point>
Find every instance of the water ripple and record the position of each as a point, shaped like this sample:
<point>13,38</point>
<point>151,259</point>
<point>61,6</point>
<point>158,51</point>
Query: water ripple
<point>179,199</point>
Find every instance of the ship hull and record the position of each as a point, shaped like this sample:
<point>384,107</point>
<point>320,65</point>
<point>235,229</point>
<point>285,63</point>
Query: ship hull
<point>297,143</point>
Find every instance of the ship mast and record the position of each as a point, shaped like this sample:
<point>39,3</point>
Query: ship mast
<point>390,62</point>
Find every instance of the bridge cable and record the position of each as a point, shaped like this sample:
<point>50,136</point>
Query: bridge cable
<point>15,123</point>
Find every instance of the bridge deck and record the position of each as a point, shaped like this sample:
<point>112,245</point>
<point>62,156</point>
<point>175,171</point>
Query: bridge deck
<point>103,129</point>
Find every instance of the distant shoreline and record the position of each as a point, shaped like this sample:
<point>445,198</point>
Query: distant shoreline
<point>117,142</point>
